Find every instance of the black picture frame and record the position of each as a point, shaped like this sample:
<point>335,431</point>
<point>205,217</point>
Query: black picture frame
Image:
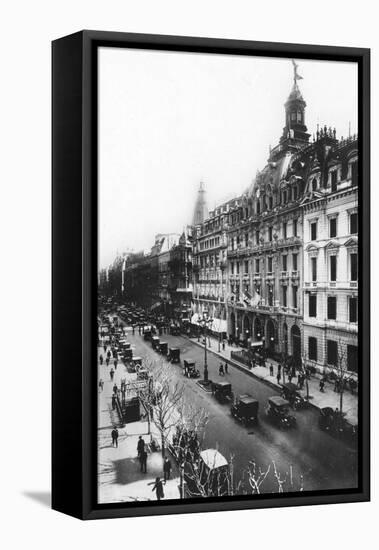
<point>74,206</point>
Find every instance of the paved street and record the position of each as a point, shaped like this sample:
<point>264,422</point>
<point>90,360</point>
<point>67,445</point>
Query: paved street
<point>323,461</point>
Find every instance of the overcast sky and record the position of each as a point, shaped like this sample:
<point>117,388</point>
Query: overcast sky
<point>168,120</point>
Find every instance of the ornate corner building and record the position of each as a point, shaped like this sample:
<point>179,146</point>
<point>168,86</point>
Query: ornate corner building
<point>279,263</point>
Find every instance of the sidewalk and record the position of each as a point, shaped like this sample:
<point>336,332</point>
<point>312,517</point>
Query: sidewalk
<point>318,399</point>
<point>119,475</point>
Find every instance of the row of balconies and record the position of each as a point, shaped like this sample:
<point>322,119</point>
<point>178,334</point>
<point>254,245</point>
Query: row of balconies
<point>331,284</point>
<point>269,275</point>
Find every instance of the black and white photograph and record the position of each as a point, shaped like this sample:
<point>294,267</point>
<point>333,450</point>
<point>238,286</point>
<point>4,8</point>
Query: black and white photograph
<point>227,352</point>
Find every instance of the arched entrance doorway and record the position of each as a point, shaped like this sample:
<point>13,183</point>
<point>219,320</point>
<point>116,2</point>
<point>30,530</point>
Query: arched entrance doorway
<point>258,331</point>
<point>246,328</point>
<point>296,345</point>
<point>270,337</point>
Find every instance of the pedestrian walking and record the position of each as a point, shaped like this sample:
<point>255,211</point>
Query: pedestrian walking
<point>109,354</point>
<point>167,467</point>
<point>158,488</point>
<point>115,363</point>
<point>223,345</point>
<point>226,368</point>
<point>101,359</point>
<point>114,435</point>
<point>140,445</point>
<point>115,389</point>
<point>101,384</point>
<point>113,402</point>
<point>107,361</point>
<point>111,373</point>
<point>271,369</point>
<point>143,461</point>
<point>221,370</point>
<point>322,384</point>
<point>279,367</point>
<point>278,377</point>
<point>105,348</point>
<point>133,329</point>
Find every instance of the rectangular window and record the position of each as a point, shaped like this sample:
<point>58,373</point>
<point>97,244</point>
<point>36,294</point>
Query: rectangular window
<point>269,265</point>
<point>333,268</point>
<point>270,296</point>
<point>332,227</point>
<point>270,234</point>
<point>284,262</point>
<point>333,180</point>
<point>314,269</point>
<point>312,305</point>
<point>294,296</point>
<point>313,231</point>
<point>352,358</point>
<point>246,266</point>
<point>294,262</point>
<point>354,267</point>
<point>238,267</point>
<point>353,309</point>
<point>246,239</point>
<point>331,351</point>
<point>312,348</point>
<point>232,267</point>
<point>354,173</point>
<point>256,266</point>
<point>295,228</point>
<point>284,230</point>
<point>353,223</point>
<point>332,307</point>
<point>257,237</point>
<point>285,296</point>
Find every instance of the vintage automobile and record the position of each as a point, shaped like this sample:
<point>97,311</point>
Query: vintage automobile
<point>333,421</point>
<point>155,343</point>
<point>142,373</point>
<point>222,391</point>
<point>174,330</point>
<point>147,335</point>
<point>245,409</point>
<point>189,369</point>
<point>292,395</point>
<point>127,354</point>
<point>174,355</point>
<point>278,411</point>
<point>137,361</point>
<point>163,348</point>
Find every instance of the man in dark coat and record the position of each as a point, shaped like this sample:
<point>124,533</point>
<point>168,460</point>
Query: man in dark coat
<point>140,445</point>
<point>114,435</point>
<point>143,460</point>
<point>158,488</point>
<point>167,467</point>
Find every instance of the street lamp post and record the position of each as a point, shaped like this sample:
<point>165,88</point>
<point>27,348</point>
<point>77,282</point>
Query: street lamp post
<point>204,322</point>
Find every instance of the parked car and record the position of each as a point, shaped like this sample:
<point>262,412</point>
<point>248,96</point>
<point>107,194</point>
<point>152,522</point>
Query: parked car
<point>174,355</point>
<point>245,409</point>
<point>222,391</point>
<point>189,369</point>
<point>163,348</point>
<point>278,411</point>
<point>291,394</point>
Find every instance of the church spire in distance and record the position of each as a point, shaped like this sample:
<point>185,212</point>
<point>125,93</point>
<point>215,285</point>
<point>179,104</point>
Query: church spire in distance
<point>200,212</point>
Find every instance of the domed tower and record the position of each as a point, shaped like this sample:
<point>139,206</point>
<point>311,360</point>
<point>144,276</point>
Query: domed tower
<point>295,130</point>
<point>200,212</point>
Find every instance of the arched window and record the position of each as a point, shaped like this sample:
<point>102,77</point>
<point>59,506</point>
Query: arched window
<point>314,184</point>
<point>270,202</point>
<point>258,207</point>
